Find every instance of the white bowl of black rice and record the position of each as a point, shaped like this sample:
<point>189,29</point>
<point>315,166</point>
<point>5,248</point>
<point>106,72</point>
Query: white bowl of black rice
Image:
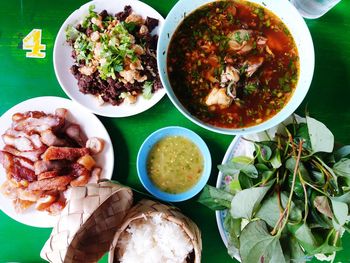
<point>105,57</point>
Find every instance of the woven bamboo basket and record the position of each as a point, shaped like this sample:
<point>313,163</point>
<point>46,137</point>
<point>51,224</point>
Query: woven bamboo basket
<point>87,224</point>
<point>148,208</point>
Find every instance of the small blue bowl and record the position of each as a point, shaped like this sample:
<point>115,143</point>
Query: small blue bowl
<point>143,156</point>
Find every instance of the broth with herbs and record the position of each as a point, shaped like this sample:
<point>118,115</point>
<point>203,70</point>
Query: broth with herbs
<point>233,64</point>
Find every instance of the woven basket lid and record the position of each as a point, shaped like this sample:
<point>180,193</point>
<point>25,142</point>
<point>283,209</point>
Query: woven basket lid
<point>87,224</point>
<point>148,208</point>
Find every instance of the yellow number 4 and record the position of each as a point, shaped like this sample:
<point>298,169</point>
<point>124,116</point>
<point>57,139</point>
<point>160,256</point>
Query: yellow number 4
<point>33,42</point>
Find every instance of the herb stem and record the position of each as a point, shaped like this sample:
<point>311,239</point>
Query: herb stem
<point>305,194</point>
<point>292,187</point>
<point>315,188</point>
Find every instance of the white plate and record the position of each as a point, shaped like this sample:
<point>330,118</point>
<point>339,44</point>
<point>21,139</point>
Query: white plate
<point>89,123</point>
<point>241,147</point>
<point>63,61</point>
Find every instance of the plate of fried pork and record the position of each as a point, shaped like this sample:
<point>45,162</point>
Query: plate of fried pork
<point>49,145</point>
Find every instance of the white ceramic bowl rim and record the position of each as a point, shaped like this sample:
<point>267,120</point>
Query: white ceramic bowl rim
<point>148,144</point>
<point>300,32</point>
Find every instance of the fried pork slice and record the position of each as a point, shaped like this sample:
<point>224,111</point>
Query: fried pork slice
<point>50,139</point>
<point>56,207</point>
<point>19,173</point>
<point>47,175</point>
<point>8,189</point>
<point>25,194</point>
<point>30,155</point>
<point>80,181</point>
<point>58,183</point>
<point>21,205</point>
<point>64,153</point>
<point>74,132</point>
<point>6,159</point>
<point>95,145</point>
<point>32,123</point>
<point>34,138</point>
<point>45,166</point>
<point>45,201</point>
<point>20,143</point>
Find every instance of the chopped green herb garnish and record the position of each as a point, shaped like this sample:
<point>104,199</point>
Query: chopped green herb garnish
<point>147,90</point>
<point>250,88</point>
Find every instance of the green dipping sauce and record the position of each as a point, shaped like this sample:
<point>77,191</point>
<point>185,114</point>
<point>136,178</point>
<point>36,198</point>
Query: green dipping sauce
<point>175,164</point>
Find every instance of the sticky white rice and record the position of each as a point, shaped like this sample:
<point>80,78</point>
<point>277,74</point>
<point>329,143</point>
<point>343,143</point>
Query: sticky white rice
<point>154,240</point>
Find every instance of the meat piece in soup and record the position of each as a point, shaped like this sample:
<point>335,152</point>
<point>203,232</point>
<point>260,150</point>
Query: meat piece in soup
<point>233,64</point>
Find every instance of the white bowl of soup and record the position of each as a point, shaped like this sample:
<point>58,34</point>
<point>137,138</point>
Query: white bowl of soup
<point>235,67</point>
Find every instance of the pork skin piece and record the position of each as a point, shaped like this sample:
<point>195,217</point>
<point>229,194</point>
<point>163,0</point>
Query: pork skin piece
<point>50,139</point>
<point>56,207</point>
<point>30,155</point>
<point>34,114</point>
<point>6,160</point>
<point>19,173</point>
<point>79,170</point>
<point>74,132</point>
<point>34,138</point>
<point>61,112</point>
<point>46,175</point>
<point>32,124</point>
<point>20,143</point>
<point>58,183</point>
<point>45,166</point>
<point>64,153</point>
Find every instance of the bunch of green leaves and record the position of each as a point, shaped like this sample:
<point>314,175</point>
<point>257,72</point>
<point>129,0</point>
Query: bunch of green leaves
<point>114,46</point>
<point>293,196</point>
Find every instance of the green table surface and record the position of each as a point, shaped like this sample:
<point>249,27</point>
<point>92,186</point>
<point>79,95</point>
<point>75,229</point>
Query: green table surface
<point>22,78</point>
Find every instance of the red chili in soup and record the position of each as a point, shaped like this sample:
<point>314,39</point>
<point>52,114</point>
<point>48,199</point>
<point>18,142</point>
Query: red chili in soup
<point>233,64</point>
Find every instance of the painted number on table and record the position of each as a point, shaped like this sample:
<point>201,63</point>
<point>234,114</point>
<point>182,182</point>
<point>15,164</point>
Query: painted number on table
<point>32,42</point>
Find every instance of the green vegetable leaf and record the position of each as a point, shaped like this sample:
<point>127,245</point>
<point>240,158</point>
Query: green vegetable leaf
<point>233,227</point>
<point>214,198</point>
<point>298,187</point>
<point>322,139</point>
<point>322,205</point>
<point>327,247</point>
<point>257,245</point>
<point>147,90</point>
<point>302,133</point>
<point>270,210</point>
<point>129,26</point>
<point>276,159</point>
<point>72,33</point>
<point>263,150</point>
<point>293,253</point>
<point>245,202</point>
<point>305,237</point>
<point>342,152</point>
<point>290,165</point>
<point>345,198</point>
<point>239,165</point>
<point>342,168</point>
<point>341,211</point>
<point>242,159</point>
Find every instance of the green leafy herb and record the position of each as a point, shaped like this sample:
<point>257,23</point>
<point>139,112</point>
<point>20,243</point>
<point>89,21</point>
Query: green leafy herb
<point>147,90</point>
<point>251,198</point>
<point>295,193</point>
<point>72,33</point>
<point>239,165</point>
<point>257,245</point>
<point>250,88</point>
<point>215,198</point>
